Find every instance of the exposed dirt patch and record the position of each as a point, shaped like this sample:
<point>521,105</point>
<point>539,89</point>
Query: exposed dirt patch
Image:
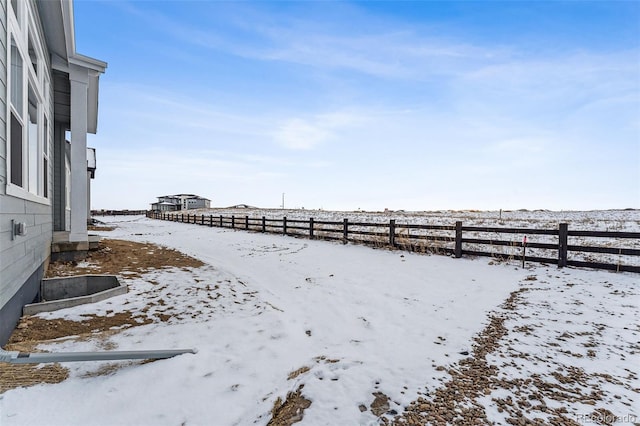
<point>380,404</point>
<point>291,410</point>
<point>100,228</point>
<point>13,376</point>
<point>35,329</point>
<point>298,372</point>
<point>125,258</point>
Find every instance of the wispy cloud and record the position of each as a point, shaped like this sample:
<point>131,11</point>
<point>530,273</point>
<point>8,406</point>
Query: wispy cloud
<point>307,133</point>
<point>301,134</point>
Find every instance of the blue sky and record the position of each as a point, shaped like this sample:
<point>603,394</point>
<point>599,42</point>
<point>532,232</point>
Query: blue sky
<point>415,105</point>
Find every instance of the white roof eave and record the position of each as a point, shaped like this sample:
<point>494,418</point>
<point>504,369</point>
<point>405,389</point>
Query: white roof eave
<point>94,68</point>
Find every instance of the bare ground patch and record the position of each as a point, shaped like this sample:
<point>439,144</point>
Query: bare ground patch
<point>289,411</point>
<point>14,376</point>
<point>35,329</point>
<point>127,258</point>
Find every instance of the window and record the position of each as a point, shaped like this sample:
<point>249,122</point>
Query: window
<point>33,56</point>
<point>28,127</point>
<point>32,142</point>
<point>16,151</point>
<point>45,159</point>
<point>16,77</point>
<point>16,114</point>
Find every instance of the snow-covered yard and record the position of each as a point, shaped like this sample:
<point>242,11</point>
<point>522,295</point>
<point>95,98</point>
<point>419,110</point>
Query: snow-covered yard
<point>345,324</point>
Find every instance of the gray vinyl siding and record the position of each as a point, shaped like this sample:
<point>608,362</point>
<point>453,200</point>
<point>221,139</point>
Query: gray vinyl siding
<point>20,257</point>
<point>23,258</point>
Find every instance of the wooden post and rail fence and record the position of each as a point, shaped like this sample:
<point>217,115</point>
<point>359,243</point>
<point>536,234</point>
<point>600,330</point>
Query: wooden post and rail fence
<point>456,240</point>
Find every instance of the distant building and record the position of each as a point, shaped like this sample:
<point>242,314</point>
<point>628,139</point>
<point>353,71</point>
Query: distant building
<point>171,203</point>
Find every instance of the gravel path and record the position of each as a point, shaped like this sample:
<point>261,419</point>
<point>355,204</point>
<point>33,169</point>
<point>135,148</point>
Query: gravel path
<point>546,357</point>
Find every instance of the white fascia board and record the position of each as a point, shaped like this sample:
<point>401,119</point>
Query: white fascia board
<point>69,26</point>
<point>87,62</point>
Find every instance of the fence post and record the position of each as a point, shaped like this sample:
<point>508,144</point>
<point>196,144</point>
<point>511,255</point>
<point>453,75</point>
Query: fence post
<point>563,233</point>
<point>264,224</point>
<point>210,220</point>
<point>182,217</point>
<point>202,220</point>
<point>220,221</point>
<point>457,251</point>
<point>284,225</point>
<point>311,228</point>
<point>345,231</point>
<point>246,222</point>
<point>392,232</point>
<point>233,221</point>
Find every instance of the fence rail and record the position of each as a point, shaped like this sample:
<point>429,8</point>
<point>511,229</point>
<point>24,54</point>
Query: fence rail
<point>118,212</point>
<point>552,247</point>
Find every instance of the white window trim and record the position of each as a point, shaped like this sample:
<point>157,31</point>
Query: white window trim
<point>19,28</point>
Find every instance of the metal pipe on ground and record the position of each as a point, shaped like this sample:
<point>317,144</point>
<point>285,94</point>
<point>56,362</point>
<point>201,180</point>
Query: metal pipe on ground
<point>14,357</point>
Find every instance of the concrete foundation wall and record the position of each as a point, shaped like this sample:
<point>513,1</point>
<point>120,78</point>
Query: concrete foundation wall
<point>82,285</point>
<point>11,311</point>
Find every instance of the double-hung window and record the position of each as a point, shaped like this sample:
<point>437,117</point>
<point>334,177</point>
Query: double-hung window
<point>28,111</point>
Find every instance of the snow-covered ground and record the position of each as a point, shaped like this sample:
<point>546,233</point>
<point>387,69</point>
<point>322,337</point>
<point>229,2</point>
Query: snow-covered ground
<point>353,321</point>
